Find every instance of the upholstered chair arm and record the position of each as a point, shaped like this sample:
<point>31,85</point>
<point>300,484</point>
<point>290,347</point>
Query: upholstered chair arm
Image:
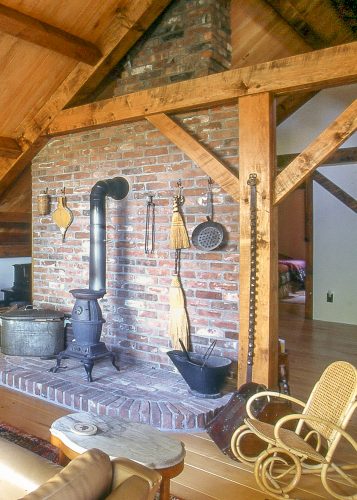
<point>268,394</point>
<point>124,469</point>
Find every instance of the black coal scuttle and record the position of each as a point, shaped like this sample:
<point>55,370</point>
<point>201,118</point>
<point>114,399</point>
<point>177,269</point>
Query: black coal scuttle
<point>87,319</point>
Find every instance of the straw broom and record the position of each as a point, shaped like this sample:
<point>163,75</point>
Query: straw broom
<point>178,321</point>
<point>178,232</point>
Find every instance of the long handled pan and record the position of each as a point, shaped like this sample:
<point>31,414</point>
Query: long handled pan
<point>208,235</point>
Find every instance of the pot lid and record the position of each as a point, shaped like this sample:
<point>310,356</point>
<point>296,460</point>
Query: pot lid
<point>33,314</point>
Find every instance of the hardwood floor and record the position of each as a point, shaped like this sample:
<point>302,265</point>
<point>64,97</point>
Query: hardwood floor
<point>208,473</point>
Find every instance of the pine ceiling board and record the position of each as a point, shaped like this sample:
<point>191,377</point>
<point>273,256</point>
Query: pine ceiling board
<point>28,77</point>
<point>315,20</point>
<point>84,18</point>
<point>128,22</point>
<point>259,34</point>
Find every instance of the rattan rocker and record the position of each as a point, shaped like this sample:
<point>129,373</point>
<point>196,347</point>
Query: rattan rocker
<point>311,446</point>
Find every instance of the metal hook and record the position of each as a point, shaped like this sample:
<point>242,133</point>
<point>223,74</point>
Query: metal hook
<point>180,197</point>
<point>210,182</point>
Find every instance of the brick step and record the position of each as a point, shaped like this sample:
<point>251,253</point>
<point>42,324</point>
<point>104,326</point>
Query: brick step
<point>139,392</point>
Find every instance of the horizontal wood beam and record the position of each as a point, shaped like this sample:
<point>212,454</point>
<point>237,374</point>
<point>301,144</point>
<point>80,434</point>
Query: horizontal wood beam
<point>15,250</point>
<point>15,217</point>
<point>336,191</point>
<point>15,238</point>
<point>32,30</point>
<point>313,70</point>
<point>317,152</point>
<point>341,156</point>
<point>9,147</point>
<point>198,153</point>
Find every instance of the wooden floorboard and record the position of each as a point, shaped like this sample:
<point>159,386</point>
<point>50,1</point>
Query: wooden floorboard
<point>208,473</point>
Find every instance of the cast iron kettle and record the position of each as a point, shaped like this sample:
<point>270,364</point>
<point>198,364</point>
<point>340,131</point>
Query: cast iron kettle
<point>208,235</point>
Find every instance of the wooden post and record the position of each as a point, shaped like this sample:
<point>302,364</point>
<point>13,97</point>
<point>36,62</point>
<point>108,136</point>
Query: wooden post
<point>257,155</point>
<point>309,249</point>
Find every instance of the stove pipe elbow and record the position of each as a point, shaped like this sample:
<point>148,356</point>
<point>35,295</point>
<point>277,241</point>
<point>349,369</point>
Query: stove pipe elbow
<point>116,188</point>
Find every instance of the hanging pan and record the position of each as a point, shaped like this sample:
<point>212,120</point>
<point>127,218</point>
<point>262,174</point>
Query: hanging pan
<point>208,235</point>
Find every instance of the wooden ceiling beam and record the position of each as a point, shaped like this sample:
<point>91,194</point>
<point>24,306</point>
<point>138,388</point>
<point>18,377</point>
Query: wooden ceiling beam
<point>23,250</point>
<point>304,16</point>
<point>15,217</point>
<point>328,67</point>
<point>118,38</point>
<point>213,167</point>
<point>316,152</point>
<point>9,147</point>
<point>32,30</point>
<point>336,191</point>
<point>339,157</point>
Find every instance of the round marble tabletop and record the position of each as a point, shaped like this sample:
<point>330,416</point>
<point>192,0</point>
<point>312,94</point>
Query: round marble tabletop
<point>120,437</point>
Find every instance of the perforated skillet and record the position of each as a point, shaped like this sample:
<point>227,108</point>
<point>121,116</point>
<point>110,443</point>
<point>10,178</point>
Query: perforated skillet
<point>208,235</point>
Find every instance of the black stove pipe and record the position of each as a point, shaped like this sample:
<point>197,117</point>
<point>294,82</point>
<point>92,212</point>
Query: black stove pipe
<point>117,189</point>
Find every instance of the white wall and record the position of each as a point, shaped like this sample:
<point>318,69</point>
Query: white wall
<point>335,226</point>
<point>7,271</point>
<point>335,248</point>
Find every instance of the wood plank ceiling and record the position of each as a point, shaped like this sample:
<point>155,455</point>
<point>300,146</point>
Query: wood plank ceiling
<point>53,54</point>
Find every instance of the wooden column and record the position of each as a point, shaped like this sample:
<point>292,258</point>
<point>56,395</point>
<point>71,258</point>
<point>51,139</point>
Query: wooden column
<point>309,248</point>
<point>257,155</point>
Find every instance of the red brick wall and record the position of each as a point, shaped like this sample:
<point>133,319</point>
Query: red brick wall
<point>136,304</point>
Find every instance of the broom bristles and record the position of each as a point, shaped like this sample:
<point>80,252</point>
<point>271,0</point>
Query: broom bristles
<point>178,328</point>
<point>178,233</point>
<point>178,321</point>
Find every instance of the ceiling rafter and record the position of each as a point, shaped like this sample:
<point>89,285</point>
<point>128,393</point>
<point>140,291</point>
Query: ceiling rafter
<point>304,16</point>
<point>32,30</point>
<point>125,29</point>
<point>9,147</point>
<point>339,193</point>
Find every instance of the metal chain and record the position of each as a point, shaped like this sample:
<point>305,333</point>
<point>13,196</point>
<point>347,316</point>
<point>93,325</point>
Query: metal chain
<point>252,182</point>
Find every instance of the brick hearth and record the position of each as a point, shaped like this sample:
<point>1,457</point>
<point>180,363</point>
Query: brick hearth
<point>143,394</point>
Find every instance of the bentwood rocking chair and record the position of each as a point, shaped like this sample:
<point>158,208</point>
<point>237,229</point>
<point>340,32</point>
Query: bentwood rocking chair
<point>311,446</point>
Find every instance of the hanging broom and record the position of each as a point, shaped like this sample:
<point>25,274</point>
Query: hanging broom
<point>178,232</point>
<point>178,321</point>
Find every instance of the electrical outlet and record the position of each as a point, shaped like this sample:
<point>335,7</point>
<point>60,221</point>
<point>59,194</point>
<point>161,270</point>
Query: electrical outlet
<point>329,296</point>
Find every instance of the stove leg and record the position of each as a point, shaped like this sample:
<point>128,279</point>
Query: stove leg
<point>112,356</point>
<point>55,369</point>
<point>88,365</point>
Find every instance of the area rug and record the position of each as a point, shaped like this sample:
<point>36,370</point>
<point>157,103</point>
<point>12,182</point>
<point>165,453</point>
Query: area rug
<point>32,443</point>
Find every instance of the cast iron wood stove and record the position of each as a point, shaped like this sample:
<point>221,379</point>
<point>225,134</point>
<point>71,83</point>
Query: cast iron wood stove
<point>87,319</point>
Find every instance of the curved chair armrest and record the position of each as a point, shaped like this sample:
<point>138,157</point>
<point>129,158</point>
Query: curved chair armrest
<point>124,468</point>
<point>278,395</point>
<point>298,416</point>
